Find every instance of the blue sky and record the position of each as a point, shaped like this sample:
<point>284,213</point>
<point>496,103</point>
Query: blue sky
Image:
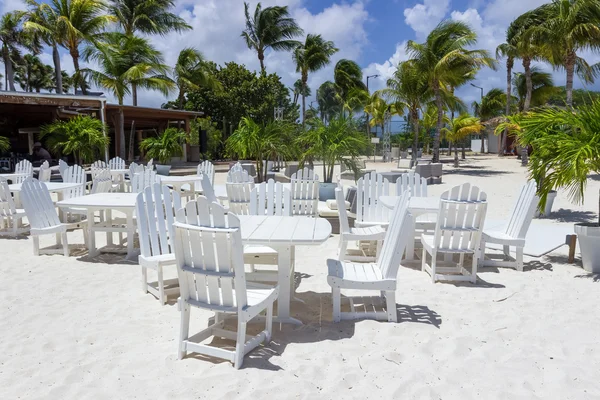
<point>371,32</point>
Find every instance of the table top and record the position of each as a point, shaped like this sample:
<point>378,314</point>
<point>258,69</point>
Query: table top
<point>101,201</point>
<point>12,175</point>
<point>179,179</point>
<point>52,186</point>
<point>112,171</point>
<point>416,205</point>
<point>260,229</point>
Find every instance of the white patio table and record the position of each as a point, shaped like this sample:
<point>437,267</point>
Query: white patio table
<point>123,202</point>
<point>178,181</point>
<point>12,177</point>
<point>53,187</point>
<point>221,189</point>
<point>283,234</point>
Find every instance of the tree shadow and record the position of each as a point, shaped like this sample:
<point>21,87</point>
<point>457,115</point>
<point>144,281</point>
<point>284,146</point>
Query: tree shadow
<point>572,216</point>
<point>593,277</point>
<point>475,171</point>
<point>537,265</point>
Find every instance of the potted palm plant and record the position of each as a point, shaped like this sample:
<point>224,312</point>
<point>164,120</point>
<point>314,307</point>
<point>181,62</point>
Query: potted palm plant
<point>163,147</point>
<point>566,149</point>
<point>338,141</point>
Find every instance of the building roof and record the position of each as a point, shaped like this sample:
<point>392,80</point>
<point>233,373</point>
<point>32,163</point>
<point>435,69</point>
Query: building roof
<point>51,99</point>
<point>152,113</point>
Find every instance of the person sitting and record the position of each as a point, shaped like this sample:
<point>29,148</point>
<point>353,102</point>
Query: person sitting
<point>41,154</point>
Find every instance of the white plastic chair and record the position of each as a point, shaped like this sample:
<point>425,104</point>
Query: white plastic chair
<point>150,164</point>
<point>43,219</point>
<point>347,234</point>
<point>143,179</point>
<point>155,212</point>
<point>238,197</point>
<point>44,172</point>
<point>239,176</point>
<point>62,167</point>
<point>116,163</point>
<point>207,168</point>
<point>458,231</point>
<point>23,167</point>
<point>514,231</point>
<point>99,164</point>
<point>74,174</point>
<point>210,265</point>
<point>304,187</point>
<point>369,210</point>
<point>378,276</point>
<point>102,183</point>
<point>10,215</point>
<point>413,183</point>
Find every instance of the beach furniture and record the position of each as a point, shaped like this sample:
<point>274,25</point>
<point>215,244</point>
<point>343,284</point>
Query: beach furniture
<point>116,163</point>
<point>44,172</point>
<point>207,189</point>
<point>304,187</point>
<point>206,168</point>
<point>369,210</point>
<point>10,215</point>
<point>150,164</point>
<point>62,167</point>
<point>347,234</point>
<point>238,176</point>
<point>144,179</point>
<point>513,233</point>
<point>43,219</point>
<point>24,170</point>
<point>413,183</point>
<point>377,276</point>
<point>102,183</point>
<point>458,230</point>
<point>155,214</point>
<point>210,266</point>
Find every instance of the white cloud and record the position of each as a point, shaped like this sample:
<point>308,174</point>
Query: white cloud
<point>11,5</point>
<point>504,11</point>
<point>422,18</point>
<point>387,68</point>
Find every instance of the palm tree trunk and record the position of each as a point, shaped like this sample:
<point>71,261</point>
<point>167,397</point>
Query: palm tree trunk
<point>440,122</point>
<point>456,155</point>
<point>528,83</point>
<point>304,80</point>
<point>570,67</point>
<point>180,99</point>
<point>261,58</point>
<point>134,93</point>
<point>463,154</point>
<point>57,70</point>
<point>121,128</point>
<point>509,67</point>
<point>415,122</point>
<point>10,76</point>
<point>75,57</point>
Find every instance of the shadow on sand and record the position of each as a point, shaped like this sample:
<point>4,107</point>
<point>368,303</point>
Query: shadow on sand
<point>572,216</point>
<point>472,170</point>
<point>593,277</point>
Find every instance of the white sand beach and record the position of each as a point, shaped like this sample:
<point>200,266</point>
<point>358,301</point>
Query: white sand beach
<point>80,328</point>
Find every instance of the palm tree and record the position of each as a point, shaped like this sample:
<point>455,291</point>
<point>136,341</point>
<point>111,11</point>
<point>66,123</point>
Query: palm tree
<point>377,107</point>
<point>270,28</point>
<point>444,59</point>
<point>310,56</point>
<point>133,60</point>
<point>347,76</point>
<point>409,90</point>
<point>567,27</point>
<point>490,106</point>
<point>80,21</point>
<point>11,36</point>
<point>43,21</point>
<point>299,90</point>
<point>509,51</point>
<point>542,86</point>
<point>329,102</point>
<point>32,74</point>
<point>460,128</point>
<point>149,17</point>
<point>191,73</point>
<point>164,146</point>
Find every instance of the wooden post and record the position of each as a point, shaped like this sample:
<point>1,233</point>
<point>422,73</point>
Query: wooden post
<point>186,127</point>
<point>572,242</point>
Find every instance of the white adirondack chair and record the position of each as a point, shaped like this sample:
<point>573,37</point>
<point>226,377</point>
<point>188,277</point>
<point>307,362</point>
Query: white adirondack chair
<point>100,164</point>
<point>207,189</point>
<point>413,183</point>
<point>347,234</point>
<point>378,276</point>
<point>96,170</point>
<point>304,186</point>
<point>43,219</point>
<point>23,167</point>
<point>268,198</point>
<point>369,211</point>
<point>155,212</point>
<point>102,183</point>
<point>116,163</point>
<point>458,231</point>
<point>44,172</point>
<point>238,176</point>
<point>515,230</point>
<point>207,168</point>
<point>144,179</point>
<point>62,167</point>
<point>236,167</point>
<point>210,265</point>
<point>150,164</point>
<point>10,215</point>
<point>238,196</point>
<point>74,174</point>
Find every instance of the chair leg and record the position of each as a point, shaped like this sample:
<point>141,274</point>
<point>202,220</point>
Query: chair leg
<point>161,286</point>
<point>269,323</point>
<point>337,307</point>
<point>144,280</point>
<point>379,246</point>
<point>423,259</point>
<point>36,245</point>
<point>474,267</point>
<point>433,265</point>
<point>184,327</point>
<point>506,251</point>
<point>390,300</point>
<point>481,253</point>
<point>520,259</point>
<point>65,244</point>
<point>342,248</point>
<point>240,344</point>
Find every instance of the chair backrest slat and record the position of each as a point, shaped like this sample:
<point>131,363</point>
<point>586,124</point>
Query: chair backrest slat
<point>207,168</point>
<point>62,167</point>
<point>368,190</point>
<point>238,195</point>
<point>239,176</point>
<point>523,211</point>
<point>38,205</point>
<point>342,213</point>
<point>7,204</point>
<point>144,179</point>
<point>116,163</point>
<point>413,183</point>
<point>207,189</point>
<point>209,253</point>
<point>23,167</point>
<point>305,193</point>
<point>396,238</point>
<point>45,172</point>
<point>74,174</point>
<point>270,198</point>
<point>102,181</point>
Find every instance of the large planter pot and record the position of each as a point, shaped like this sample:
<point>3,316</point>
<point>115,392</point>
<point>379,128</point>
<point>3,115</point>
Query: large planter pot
<point>163,169</point>
<point>589,244</point>
<point>549,203</point>
<point>327,191</point>
<point>194,153</point>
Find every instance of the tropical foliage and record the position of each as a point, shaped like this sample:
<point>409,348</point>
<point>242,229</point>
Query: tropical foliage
<point>164,146</point>
<point>4,144</point>
<point>461,127</point>
<point>82,136</point>
<point>213,135</point>
<point>192,72</point>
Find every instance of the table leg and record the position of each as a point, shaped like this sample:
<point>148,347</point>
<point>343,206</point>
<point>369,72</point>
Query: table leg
<point>284,270</point>
<point>91,234</point>
<point>108,221</point>
<point>130,235</point>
